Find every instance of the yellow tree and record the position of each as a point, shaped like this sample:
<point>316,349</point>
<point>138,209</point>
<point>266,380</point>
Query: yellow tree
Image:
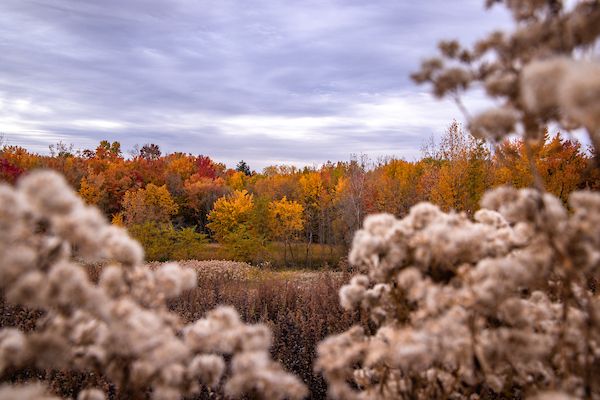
<point>313,197</point>
<point>237,180</point>
<point>561,165</point>
<point>229,212</point>
<point>180,164</point>
<point>151,204</point>
<point>231,221</point>
<point>286,221</point>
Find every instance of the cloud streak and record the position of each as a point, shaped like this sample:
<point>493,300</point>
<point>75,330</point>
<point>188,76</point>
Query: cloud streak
<point>264,80</point>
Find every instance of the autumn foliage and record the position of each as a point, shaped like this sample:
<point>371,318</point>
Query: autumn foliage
<point>283,212</point>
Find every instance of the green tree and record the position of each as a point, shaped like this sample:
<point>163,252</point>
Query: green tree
<point>243,167</point>
<point>188,244</point>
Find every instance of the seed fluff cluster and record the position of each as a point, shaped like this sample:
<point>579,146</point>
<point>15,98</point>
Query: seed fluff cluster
<point>503,304</point>
<point>545,71</point>
<point>119,327</point>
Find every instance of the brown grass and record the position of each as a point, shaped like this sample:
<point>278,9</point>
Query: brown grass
<point>300,307</point>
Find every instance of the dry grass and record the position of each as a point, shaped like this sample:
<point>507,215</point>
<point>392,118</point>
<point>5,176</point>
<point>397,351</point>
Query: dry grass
<point>301,307</point>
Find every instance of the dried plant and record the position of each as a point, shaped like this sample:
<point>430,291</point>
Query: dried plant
<point>539,73</point>
<point>499,304</point>
<point>504,305</point>
<point>119,327</point>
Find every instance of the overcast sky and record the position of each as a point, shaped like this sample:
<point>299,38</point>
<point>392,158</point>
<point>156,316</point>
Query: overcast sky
<point>267,81</point>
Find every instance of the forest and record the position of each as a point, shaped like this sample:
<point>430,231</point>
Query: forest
<point>183,206</point>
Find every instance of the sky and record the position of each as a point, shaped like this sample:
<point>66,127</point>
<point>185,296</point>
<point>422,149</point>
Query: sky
<point>268,81</point>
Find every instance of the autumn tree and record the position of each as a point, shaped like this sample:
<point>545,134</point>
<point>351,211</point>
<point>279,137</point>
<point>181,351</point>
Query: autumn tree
<point>19,157</point>
<point>560,164</point>
<point>278,181</point>
<point>201,193</point>
<point>89,191</point>
<point>286,221</point>
<point>108,150</point>
<point>152,203</point>
<point>312,192</point>
<point>464,170</point>
<point>9,172</point>
<point>180,164</point>
<point>108,181</point>
<point>231,222</point>
<point>392,187</point>
<point>206,168</point>
<point>237,180</point>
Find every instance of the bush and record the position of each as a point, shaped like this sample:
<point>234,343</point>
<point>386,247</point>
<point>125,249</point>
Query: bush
<point>162,242</point>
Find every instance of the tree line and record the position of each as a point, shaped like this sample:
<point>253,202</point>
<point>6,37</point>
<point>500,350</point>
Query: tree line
<point>177,204</point>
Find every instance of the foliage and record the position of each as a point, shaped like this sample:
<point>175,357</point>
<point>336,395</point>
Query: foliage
<point>156,239</point>
<point>285,221</point>
<point>463,172</point>
<point>153,203</point>
<point>232,222</point>
<point>229,212</point>
<point>201,193</point>
<point>559,163</point>
<point>89,192</point>
<point>243,167</point>
<point>162,242</point>
<point>108,150</point>
<point>9,172</point>
<point>150,151</point>
<point>286,218</point>
<point>187,244</point>
<point>243,243</point>
<point>453,173</point>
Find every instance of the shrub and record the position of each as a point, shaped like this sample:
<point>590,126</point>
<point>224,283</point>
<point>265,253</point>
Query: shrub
<point>162,242</point>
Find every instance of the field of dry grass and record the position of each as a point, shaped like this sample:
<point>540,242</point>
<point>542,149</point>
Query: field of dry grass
<point>301,307</point>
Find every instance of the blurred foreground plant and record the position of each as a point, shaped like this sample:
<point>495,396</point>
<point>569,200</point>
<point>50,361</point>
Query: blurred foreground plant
<point>505,305</point>
<point>542,72</point>
<point>119,327</point>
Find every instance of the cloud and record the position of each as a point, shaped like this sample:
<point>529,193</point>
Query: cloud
<point>267,81</point>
